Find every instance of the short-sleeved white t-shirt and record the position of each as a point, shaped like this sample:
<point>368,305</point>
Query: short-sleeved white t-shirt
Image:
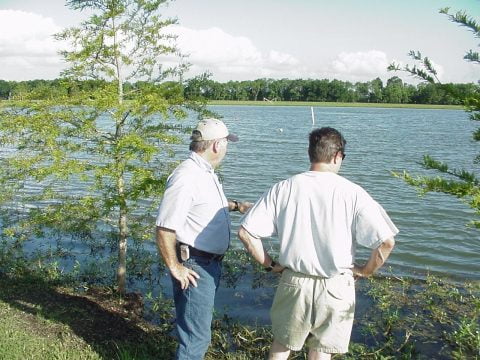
<point>319,218</point>
<point>195,207</point>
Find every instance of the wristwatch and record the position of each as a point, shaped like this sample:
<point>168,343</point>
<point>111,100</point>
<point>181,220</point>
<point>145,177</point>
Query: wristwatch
<point>270,267</point>
<point>235,208</point>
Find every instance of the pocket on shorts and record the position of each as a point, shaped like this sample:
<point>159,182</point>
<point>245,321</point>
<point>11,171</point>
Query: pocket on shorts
<point>290,280</point>
<point>341,287</point>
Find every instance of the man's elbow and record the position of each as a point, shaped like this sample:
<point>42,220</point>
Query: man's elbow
<point>386,248</point>
<point>246,238</point>
<point>243,235</point>
<point>389,244</point>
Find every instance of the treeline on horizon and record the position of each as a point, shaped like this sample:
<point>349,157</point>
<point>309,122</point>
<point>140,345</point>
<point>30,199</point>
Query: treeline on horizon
<point>394,91</point>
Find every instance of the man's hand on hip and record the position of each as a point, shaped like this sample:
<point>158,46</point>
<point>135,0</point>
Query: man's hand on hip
<point>184,276</point>
<point>278,269</point>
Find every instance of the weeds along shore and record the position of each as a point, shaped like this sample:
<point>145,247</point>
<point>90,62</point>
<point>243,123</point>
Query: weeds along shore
<point>45,314</point>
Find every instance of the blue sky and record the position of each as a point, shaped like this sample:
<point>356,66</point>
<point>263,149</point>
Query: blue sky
<point>351,40</point>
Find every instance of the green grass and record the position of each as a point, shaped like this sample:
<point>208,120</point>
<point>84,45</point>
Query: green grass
<point>40,320</point>
<point>26,336</point>
<point>335,104</point>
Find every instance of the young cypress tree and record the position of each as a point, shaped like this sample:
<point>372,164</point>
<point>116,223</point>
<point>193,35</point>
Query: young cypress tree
<point>93,155</point>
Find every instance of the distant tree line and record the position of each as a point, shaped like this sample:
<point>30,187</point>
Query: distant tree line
<point>375,91</point>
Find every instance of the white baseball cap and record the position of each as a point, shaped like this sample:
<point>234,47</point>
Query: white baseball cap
<point>212,129</point>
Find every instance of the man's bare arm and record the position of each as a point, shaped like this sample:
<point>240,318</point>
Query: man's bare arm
<point>255,247</point>
<point>376,260</point>
<point>166,243</point>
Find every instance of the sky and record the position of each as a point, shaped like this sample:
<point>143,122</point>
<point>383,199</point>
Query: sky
<point>351,40</point>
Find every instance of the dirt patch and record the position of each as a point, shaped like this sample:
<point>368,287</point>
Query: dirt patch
<point>99,316</point>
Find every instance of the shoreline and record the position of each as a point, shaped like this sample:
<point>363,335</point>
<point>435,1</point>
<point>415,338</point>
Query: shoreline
<point>315,104</point>
<point>394,317</point>
<point>334,104</point>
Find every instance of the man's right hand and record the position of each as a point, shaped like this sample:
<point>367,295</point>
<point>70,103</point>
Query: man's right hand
<point>166,242</point>
<point>376,260</point>
<point>184,276</point>
<point>278,268</point>
<point>357,271</point>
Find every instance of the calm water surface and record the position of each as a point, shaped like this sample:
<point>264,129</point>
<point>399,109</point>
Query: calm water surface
<point>273,145</point>
<point>433,234</point>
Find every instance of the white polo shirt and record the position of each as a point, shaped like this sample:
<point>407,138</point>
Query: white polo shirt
<point>195,207</point>
<point>319,218</point>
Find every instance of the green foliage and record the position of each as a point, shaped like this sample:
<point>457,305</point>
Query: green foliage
<point>460,183</point>
<point>406,314</point>
<point>466,338</point>
<point>426,71</point>
<point>39,320</point>
<point>120,42</point>
<point>268,91</point>
<point>463,19</point>
<point>231,340</point>
<point>94,147</point>
<point>397,318</point>
<point>324,90</point>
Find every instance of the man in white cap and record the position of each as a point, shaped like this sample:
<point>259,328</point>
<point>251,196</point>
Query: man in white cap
<point>193,233</point>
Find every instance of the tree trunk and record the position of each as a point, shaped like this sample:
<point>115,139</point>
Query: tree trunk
<point>122,240</point>
<point>123,211</point>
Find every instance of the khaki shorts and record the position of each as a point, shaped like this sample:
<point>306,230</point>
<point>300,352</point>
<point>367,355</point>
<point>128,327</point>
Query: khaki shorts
<point>314,307</point>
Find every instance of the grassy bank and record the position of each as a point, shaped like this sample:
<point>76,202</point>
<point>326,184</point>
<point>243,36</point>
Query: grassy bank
<point>335,104</point>
<point>397,318</point>
<point>41,320</point>
<point>316,104</point>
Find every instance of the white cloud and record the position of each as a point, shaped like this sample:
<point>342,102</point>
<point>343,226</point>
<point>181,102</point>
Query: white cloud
<point>27,48</point>
<point>360,64</point>
<point>367,65</point>
<point>230,57</point>
<point>29,51</point>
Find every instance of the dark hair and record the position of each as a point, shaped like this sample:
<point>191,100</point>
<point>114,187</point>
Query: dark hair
<point>324,144</point>
<point>197,144</point>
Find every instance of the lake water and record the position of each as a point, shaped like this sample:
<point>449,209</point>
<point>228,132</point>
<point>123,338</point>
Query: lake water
<point>434,237</point>
<point>433,234</point>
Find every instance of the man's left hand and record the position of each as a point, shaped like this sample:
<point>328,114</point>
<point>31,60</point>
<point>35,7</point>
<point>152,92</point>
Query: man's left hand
<point>244,206</point>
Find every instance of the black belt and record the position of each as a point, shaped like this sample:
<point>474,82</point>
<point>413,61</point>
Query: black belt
<point>201,253</point>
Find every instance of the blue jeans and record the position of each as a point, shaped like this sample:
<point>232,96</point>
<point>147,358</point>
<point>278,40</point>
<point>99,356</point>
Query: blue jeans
<point>194,308</point>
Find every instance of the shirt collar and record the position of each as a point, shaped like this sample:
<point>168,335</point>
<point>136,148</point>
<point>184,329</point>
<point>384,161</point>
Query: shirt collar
<point>201,162</point>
